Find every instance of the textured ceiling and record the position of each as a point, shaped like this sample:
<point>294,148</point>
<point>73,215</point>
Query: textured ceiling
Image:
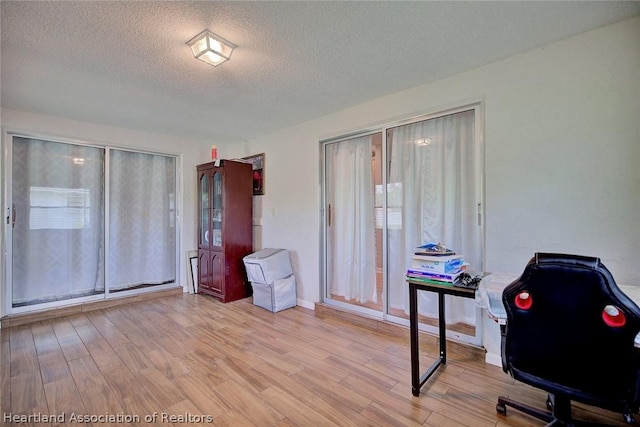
<point>126,63</point>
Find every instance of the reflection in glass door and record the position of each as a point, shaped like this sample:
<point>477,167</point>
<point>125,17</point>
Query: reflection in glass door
<point>353,173</point>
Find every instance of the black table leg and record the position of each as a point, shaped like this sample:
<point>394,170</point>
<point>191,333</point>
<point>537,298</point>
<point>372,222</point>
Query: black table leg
<point>443,329</point>
<point>418,381</point>
<point>413,336</point>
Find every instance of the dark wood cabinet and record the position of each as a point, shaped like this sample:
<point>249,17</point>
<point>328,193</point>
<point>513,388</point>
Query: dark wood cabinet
<point>225,195</point>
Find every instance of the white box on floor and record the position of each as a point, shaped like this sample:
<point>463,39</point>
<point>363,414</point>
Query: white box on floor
<point>268,265</point>
<point>276,296</point>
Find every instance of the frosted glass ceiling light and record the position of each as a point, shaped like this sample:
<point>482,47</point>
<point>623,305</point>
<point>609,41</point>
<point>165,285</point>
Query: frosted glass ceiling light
<point>211,48</point>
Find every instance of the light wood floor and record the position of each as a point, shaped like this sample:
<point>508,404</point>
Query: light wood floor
<point>189,355</point>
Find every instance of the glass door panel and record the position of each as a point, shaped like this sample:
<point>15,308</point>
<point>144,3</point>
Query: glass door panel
<point>353,230</point>
<point>142,232</point>
<point>216,212</point>
<point>204,211</point>
<point>57,195</point>
<point>432,196</point>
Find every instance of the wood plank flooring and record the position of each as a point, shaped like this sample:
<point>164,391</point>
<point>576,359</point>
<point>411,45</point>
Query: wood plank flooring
<point>189,359</point>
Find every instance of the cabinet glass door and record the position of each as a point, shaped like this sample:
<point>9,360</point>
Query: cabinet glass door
<point>217,209</point>
<point>204,210</point>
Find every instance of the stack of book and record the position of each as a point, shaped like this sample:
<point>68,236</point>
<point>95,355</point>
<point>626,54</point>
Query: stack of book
<point>439,269</point>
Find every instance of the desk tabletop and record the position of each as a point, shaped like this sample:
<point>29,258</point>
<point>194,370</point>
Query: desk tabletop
<point>444,288</point>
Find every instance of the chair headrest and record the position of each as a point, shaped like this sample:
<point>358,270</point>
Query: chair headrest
<point>580,260</point>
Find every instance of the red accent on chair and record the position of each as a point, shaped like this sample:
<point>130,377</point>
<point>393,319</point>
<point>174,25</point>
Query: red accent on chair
<point>613,316</point>
<point>523,300</point>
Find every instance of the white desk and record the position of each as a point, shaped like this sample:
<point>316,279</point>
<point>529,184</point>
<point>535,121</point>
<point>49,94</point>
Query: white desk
<point>489,296</point>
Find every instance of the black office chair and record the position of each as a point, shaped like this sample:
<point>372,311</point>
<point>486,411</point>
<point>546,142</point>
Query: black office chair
<point>570,331</point>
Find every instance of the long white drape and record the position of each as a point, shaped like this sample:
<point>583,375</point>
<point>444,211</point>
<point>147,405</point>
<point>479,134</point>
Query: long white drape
<point>351,235</point>
<point>432,175</point>
<point>141,219</point>
<point>58,197</point>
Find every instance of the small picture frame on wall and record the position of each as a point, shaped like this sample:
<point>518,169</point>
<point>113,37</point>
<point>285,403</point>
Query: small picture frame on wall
<point>257,166</point>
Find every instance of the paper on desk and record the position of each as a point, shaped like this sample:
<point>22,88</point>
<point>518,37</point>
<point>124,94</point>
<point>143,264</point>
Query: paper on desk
<point>489,295</point>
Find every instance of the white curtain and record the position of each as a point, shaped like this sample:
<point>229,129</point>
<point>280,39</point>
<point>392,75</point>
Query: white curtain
<point>351,235</point>
<point>433,181</point>
<point>141,219</point>
<point>58,196</point>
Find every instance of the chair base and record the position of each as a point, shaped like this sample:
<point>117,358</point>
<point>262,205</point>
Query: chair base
<point>560,414</point>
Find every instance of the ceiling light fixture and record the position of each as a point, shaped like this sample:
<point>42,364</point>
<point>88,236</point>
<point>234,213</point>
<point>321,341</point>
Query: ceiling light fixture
<point>211,48</point>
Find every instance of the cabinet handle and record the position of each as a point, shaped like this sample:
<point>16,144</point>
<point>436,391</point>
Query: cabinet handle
<point>13,216</point>
<point>329,215</point>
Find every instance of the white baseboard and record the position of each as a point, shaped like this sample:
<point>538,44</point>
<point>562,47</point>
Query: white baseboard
<point>306,304</point>
<point>493,359</point>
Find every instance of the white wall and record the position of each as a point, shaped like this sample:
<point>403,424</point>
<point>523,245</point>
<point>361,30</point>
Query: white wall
<point>192,152</point>
<point>562,142</point>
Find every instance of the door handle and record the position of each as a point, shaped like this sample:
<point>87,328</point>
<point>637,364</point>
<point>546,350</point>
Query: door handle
<point>13,216</point>
<point>329,215</point>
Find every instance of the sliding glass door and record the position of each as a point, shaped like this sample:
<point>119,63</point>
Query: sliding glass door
<point>429,190</point>
<point>69,204</point>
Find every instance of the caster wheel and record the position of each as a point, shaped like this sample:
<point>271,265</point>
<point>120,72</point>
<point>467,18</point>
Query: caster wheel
<point>629,419</point>
<point>501,408</point>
